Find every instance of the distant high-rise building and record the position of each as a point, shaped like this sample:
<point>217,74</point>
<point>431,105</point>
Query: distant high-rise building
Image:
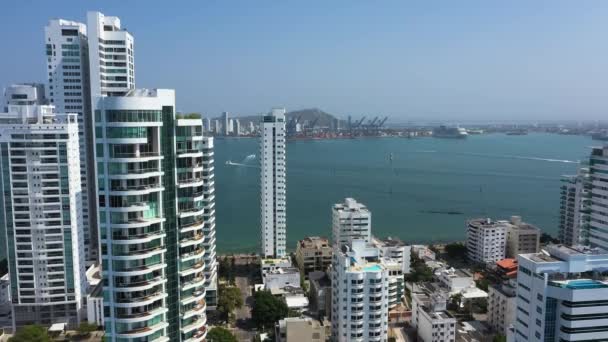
<point>157,218</point>
<point>598,197</point>
<point>236,127</point>
<point>350,221</point>
<point>574,211</point>
<point>360,293</point>
<point>562,295</point>
<point>207,125</point>
<point>68,90</point>
<point>111,62</point>
<point>486,240</point>
<point>251,127</point>
<point>273,186</point>
<point>41,209</point>
<point>216,128</point>
<point>227,126</point>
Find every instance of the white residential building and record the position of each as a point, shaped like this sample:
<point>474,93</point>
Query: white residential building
<point>273,184</point>
<point>296,329</point>
<point>394,248</point>
<point>112,58</point>
<point>42,209</point>
<point>68,90</point>
<point>486,240</point>
<point>430,317</point>
<point>360,290</point>
<point>574,211</point>
<point>502,306</point>
<point>350,221</point>
<point>455,280</point>
<point>562,295</point>
<point>598,203</point>
<point>157,218</point>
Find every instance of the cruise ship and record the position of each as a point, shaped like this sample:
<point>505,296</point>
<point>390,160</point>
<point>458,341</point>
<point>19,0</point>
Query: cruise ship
<point>450,132</point>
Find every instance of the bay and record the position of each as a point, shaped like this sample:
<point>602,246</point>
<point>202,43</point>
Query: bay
<point>424,193</point>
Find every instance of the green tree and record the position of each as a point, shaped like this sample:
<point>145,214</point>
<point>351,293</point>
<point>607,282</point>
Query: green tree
<point>456,251</point>
<point>420,272</point>
<point>229,299</point>
<point>499,338</point>
<point>85,328</point>
<point>267,310</point>
<point>31,333</point>
<point>219,334</point>
<point>483,284</point>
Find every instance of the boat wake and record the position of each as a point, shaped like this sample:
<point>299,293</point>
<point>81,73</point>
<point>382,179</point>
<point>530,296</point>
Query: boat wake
<point>509,156</point>
<point>231,163</point>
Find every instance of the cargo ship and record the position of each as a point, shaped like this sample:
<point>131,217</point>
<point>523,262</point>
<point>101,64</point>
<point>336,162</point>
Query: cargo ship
<point>450,132</point>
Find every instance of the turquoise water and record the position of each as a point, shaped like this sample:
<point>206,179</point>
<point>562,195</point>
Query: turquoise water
<point>585,284</point>
<point>491,175</point>
<point>375,268</point>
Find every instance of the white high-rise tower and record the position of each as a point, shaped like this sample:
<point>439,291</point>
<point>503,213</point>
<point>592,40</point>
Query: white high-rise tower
<point>598,199</point>
<point>41,209</point>
<point>112,62</point>
<point>68,90</point>
<point>273,184</point>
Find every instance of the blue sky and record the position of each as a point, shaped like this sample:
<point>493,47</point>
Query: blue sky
<point>432,60</point>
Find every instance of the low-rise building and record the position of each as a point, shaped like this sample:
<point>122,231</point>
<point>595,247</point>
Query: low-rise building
<point>486,240</point>
<point>502,306</point>
<point>296,329</point>
<point>281,277</point>
<point>423,252</point>
<point>455,280</point>
<point>271,264</point>
<point>320,293</point>
<point>313,254</point>
<point>94,296</point>
<point>522,237</point>
<point>430,317</point>
<point>507,268</point>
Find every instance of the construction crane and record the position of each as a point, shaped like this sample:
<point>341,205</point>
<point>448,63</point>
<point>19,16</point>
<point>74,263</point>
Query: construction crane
<point>382,122</point>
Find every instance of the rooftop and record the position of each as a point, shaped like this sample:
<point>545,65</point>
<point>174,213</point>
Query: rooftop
<point>316,242</point>
<point>507,263</point>
<point>350,204</point>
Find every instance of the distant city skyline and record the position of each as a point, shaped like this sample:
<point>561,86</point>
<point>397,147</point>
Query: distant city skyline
<point>452,62</point>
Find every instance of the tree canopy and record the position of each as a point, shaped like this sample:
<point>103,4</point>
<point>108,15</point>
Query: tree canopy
<point>456,251</point>
<point>229,299</point>
<point>219,334</point>
<point>31,333</point>
<point>267,309</point>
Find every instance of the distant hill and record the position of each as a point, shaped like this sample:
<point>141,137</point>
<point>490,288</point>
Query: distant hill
<point>305,115</point>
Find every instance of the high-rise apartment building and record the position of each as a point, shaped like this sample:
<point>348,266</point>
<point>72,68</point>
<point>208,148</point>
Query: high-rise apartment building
<point>360,293</point>
<point>273,184</point>
<point>226,123</point>
<point>598,197</point>
<point>68,90</point>
<point>562,295</point>
<point>157,218</point>
<point>112,57</point>
<point>574,212</point>
<point>486,240</point>
<point>41,209</point>
<point>350,221</point>
<point>83,62</point>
